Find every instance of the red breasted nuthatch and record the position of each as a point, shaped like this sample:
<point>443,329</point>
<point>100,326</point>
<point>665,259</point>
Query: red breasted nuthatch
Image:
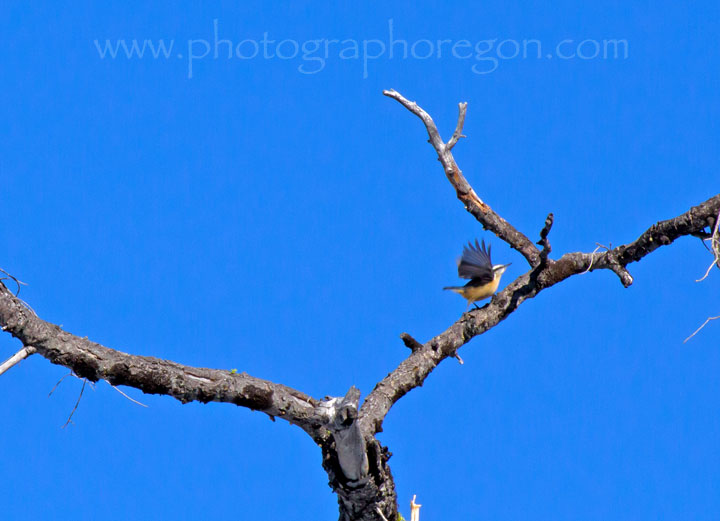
<point>475,264</point>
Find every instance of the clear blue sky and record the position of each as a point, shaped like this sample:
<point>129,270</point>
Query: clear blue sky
<point>280,216</point>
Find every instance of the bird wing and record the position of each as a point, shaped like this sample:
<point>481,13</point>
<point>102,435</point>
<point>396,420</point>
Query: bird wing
<point>475,262</point>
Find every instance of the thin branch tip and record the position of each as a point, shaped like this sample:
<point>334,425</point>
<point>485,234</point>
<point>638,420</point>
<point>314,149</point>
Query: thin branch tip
<point>702,326</point>
<point>473,204</point>
<point>131,399</point>
<point>17,358</point>
<point>462,111</point>
<point>82,390</point>
<point>17,281</point>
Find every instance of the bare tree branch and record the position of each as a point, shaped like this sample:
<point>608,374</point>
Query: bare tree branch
<point>82,390</point>
<point>353,458</point>
<point>57,384</point>
<point>155,376</point>
<point>17,358</point>
<point>473,204</point>
<point>462,111</point>
<point>356,464</point>
<point>698,329</point>
<point>544,242</point>
<point>18,282</point>
<point>142,404</point>
<point>413,371</point>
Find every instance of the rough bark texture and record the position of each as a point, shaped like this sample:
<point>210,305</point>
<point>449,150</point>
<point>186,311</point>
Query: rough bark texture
<point>413,370</point>
<point>95,362</point>
<point>363,500</point>
<point>355,461</point>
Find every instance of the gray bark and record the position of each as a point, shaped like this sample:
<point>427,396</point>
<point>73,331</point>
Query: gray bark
<point>345,431</point>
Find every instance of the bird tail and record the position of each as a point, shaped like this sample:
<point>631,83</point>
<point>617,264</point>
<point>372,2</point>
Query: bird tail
<point>456,289</point>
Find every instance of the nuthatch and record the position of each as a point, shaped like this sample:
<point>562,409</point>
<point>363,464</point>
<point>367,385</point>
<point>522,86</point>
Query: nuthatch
<point>475,264</point>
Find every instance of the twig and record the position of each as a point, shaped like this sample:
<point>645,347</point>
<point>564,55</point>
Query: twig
<point>708,270</point>
<point>462,109</point>
<point>19,283</point>
<point>17,358</point>
<point>465,193</point>
<point>544,242</point>
<point>135,401</point>
<point>414,510</point>
<point>69,420</point>
<point>713,263</point>
<point>15,279</point>
<point>698,329</point>
<point>549,220</point>
<point>714,247</point>
<point>58,383</point>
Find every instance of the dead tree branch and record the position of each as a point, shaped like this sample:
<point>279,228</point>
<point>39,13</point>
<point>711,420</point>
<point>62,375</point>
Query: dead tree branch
<point>16,358</point>
<point>544,241</point>
<point>473,204</point>
<point>714,239</point>
<point>703,325</point>
<point>349,456</point>
<point>82,390</point>
<point>95,362</point>
<point>413,371</point>
<point>353,458</point>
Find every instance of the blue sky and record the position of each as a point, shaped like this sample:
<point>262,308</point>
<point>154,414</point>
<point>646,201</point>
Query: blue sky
<point>293,224</point>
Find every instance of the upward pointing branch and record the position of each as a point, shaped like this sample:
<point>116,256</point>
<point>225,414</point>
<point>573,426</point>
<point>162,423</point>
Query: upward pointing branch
<point>473,204</point>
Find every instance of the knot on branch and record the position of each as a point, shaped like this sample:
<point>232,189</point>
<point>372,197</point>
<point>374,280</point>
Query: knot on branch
<point>618,268</point>
<point>544,242</point>
<point>410,342</point>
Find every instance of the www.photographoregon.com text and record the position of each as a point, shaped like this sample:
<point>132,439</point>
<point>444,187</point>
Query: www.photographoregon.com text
<point>485,55</point>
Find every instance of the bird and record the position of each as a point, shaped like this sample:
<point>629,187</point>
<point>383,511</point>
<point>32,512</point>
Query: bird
<point>475,264</point>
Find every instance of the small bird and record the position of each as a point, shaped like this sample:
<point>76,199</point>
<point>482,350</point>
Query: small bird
<point>475,264</point>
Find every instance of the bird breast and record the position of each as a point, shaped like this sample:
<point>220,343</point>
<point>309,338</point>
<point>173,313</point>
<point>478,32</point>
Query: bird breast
<point>473,293</point>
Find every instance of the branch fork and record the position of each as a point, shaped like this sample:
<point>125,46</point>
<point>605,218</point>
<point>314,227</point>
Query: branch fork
<point>345,430</point>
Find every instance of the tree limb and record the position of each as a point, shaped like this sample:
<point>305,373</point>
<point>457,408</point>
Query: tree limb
<point>155,376</point>
<point>354,459</point>
<point>16,358</point>
<point>473,204</point>
<point>413,371</point>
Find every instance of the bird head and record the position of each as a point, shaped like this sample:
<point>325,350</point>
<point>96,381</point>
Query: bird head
<point>499,269</point>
